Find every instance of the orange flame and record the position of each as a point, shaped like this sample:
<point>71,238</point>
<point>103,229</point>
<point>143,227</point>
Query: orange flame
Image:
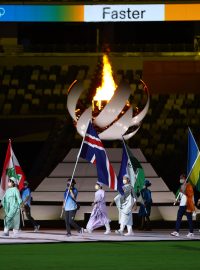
<point>107,89</point>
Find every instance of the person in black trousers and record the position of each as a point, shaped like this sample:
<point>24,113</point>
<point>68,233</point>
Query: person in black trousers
<point>26,198</point>
<point>70,207</point>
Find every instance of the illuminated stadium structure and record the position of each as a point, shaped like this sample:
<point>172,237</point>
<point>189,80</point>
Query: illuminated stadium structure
<point>40,56</point>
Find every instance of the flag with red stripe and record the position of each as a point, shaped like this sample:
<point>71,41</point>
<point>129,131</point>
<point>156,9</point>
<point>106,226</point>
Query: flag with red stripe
<point>94,152</point>
<point>11,168</point>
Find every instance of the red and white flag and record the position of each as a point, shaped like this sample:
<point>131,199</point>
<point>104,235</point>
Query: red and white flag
<point>11,168</point>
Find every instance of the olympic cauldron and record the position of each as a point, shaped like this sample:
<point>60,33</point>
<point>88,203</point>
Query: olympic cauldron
<point>111,109</point>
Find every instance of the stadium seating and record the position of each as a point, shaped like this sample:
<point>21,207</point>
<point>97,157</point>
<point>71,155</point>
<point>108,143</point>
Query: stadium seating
<point>35,89</point>
<point>40,90</point>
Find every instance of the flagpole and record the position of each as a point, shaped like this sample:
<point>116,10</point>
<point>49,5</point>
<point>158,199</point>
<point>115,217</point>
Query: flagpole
<point>22,216</point>
<point>125,146</point>
<point>77,158</point>
<point>128,158</point>
<point>127,152</point>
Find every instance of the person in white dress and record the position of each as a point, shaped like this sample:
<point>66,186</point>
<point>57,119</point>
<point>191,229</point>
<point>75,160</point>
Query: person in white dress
<point>99,216</point>
<point>125,205</point>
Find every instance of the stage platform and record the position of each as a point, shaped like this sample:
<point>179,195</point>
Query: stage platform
<point>59,236</point>
<point>48,196</point>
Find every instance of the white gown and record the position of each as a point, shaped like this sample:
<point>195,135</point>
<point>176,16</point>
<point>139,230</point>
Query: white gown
<point>125,209</point>
<point>99,216</point>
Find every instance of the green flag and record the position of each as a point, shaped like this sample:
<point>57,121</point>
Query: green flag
<point>131,166</point>
<point>135,165</point>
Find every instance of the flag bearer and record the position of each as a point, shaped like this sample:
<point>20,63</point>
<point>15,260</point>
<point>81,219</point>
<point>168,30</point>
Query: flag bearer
<point>11,203</point>
<point>186,207</point>
<point>125,205</point>
<point>70,207</point>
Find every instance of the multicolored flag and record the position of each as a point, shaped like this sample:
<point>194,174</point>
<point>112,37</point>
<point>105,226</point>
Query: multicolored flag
<point>11,168</point>
<point>93,151</point>
<point>131,166</point>
<point>193,151</point>
<point>193,162</point>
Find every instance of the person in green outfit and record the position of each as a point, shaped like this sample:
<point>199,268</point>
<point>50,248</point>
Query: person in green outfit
<point>11,203</point>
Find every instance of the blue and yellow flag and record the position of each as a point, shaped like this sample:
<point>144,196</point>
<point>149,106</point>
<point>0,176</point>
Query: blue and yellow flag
<point>193,151</point>
<point>193,162</point>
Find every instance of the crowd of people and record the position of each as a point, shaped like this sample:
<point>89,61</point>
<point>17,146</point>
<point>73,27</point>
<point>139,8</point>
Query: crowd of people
<point>125,203</point>
<point>16,204</point>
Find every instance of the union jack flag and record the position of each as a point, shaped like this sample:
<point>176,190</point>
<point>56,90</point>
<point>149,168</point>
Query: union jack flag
<point>94,152</point>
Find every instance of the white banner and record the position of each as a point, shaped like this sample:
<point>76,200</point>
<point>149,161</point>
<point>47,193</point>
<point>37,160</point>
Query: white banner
<point>124,13</point>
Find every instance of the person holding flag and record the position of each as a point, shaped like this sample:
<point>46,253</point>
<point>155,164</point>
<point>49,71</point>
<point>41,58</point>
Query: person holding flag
<point>11,168</point>
<point>125,205</point>
<point>12,176</point>
<point>70,206</point>
<point>94,152</point>
<point>12,203</point>
<point>185,195</point>
<point>130,180</point>
<point>186,206</point>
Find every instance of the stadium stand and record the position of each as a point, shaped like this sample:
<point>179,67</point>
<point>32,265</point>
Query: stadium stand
<point>35,90</point>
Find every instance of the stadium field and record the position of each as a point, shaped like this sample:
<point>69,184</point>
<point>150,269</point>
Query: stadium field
<point>113,255</point>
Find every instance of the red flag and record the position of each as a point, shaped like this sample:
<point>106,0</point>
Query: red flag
<point>11,168</point>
